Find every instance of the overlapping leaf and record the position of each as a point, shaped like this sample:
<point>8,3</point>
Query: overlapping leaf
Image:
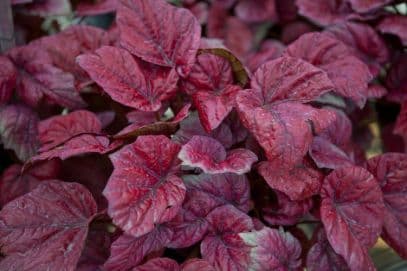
<point>321,256</point>
<point>209,155</point>
<point>352,212</point>
<point>223,247</point>
<point>143,189</point>
<point>36,237</point>
<point>39,80</point>
<point>127,251</point>
<point>18,130</point>
<point>120,76</point>
<point>8,75</point>
<point>391,173</point>
<point>349,75</point>
<point>14,182</point>
<point>159,33</point>
<point>272,249</point>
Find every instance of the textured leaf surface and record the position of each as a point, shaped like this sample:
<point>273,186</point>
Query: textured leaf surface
<point>390,169</point>
<point>284,131</point>
<point>191,126</point>
<point>39,80</point>
<point>58,129</point>
<point>225,188</point>
<point>298,181</point>
<point>349,75</point>
<point>223,247</point>
<point>352,212</point>
<point>36,237</point>
<point>120,76</point>
<point>327,155</point>
<point>81,144</point>
<point>325,12</point>
<point>127,251</point>
<point>209,155</point>
<point>321,256</point>
<point>159,33</point>
<point>143,189</point>
<point>8,76</point>
<point>18,130</point>
<point>272,249</point>
<point>65,46</point>
<point>364,41</point>
<point>14,182</point>
<point>256,11</point>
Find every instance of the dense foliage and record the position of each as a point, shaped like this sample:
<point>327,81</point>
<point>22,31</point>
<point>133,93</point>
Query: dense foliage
<point>227,135</point>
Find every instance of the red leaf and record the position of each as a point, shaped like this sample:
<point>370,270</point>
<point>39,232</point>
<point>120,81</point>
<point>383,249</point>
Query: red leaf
<point>286,211</point>
<point>225,188</point>
<point>38,79</point>
<point>272,250</point>
<point>81,144</point>
<point>14,182</point>
<point>8,75</point>
<point>143,189</point>
<point>256,11</point>
<point>120,76</point>
<point>362,6</point>
<point>209,155</point>
<point>210,73</point>
<point>58,129</point>
<point>214,107</point>
<point>298,181</point>
<point>288,78</point>
<point>390,171</point>
<point>153,128</point>
<point>364,41</point>
<point>326,12</point>
<point>190,225</point>
<point>223,248</point>
<point>339,132</point>
<point>18,130</point>
<point>191,126</point>
<point>327,155</point>
<point>352,213</point>
<point>349,75</point>
<point>65,46</point>
<point>159,264</point>
<point>269,50</point>
<point>284,130</point>
<point>36,237</point>
<point>396,25</point>
<point>159,33</point>
<point>321,256</point>
<point>128,251</point>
